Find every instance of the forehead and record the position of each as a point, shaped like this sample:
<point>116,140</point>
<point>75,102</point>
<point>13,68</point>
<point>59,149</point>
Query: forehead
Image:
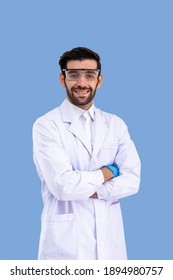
<point>82,64</point>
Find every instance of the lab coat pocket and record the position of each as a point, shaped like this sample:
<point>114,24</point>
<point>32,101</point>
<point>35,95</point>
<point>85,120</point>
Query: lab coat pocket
<point>117,229</point>
<point>59,237</point>
<point>107,154</point>
<point>59,217</point>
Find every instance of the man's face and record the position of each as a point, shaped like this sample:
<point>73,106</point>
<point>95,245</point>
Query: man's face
<point>82,90</point>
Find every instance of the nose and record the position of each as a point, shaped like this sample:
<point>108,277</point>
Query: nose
<point>82,80</point>
<point>82,76</point>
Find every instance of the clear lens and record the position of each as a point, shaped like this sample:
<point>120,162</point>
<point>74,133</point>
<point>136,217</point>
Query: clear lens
<point>88,74</point>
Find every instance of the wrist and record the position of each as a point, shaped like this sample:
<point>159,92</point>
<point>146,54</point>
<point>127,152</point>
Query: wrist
<point>114,170</point>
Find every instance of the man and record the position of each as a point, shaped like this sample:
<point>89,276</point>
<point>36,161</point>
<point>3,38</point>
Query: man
<point>77,150</point>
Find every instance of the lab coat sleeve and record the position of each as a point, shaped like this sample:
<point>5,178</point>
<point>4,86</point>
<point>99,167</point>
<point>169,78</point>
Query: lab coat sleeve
<point>54,168</point>
<point>128,162</point>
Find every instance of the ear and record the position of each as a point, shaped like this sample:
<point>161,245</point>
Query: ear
<point>62,79</point>
<point>100,79</point>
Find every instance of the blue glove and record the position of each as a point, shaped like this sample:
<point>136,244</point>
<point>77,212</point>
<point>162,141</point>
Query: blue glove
<point>114,169</point>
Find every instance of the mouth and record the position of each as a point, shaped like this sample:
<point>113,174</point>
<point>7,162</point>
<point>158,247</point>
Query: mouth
<point>81,92</point>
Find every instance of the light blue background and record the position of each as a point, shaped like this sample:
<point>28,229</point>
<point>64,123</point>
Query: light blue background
<point>135,42</point>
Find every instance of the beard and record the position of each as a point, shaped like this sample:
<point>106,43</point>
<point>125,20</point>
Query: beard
<point>80,96</point>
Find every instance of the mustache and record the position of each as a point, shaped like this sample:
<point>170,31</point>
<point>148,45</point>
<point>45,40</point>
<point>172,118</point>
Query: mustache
<point>81,88</point>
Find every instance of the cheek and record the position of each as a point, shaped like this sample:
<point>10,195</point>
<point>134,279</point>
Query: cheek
<point>96,86</point>
<point>67,85</point>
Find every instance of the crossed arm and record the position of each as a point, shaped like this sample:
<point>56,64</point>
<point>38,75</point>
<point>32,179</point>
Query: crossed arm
<point>65,183</point>
<point>107,174</point>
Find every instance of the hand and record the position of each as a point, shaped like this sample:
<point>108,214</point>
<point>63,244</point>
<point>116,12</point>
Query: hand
<point>94,195</point>
<point>107,174</point>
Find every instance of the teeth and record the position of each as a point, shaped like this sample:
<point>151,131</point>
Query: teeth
<point>81,91</point>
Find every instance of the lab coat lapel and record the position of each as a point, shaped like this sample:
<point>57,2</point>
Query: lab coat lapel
<point>77,129</point>
<point>100,130</point>
<point>75,125</point>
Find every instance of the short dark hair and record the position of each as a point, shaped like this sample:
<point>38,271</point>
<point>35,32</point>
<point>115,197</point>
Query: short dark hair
<point>79,53</point>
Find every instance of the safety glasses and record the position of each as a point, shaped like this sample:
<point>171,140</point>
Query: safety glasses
<point>76,74</point>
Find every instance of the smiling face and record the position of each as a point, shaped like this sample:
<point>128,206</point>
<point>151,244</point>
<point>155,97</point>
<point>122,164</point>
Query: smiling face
<point>81,92</point>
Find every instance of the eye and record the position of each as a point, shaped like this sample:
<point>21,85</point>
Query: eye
<point>73,76</point>
<point>90,76</point>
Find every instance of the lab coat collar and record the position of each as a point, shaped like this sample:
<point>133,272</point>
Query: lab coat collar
<point>100,127</point>
<point>72,114</point>
<point>70,111</point>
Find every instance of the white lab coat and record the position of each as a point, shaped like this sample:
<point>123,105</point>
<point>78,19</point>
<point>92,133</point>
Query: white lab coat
<point>75,226</point>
